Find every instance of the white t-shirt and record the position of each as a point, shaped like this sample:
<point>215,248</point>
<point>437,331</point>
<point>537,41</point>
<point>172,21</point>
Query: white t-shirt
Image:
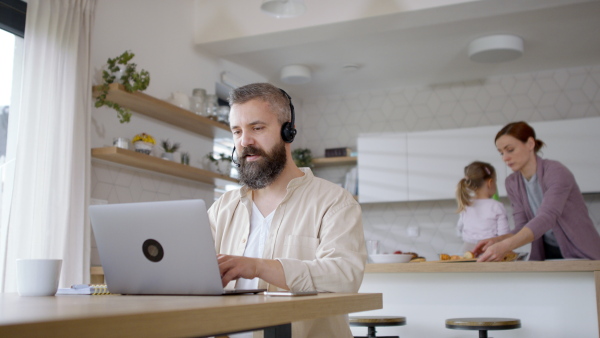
<point>259,230</point>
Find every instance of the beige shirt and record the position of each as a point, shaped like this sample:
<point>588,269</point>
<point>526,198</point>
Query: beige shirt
<point>317,235</point>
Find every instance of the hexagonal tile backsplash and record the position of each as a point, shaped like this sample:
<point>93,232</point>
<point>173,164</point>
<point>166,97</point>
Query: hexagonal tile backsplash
<point>336,120</point>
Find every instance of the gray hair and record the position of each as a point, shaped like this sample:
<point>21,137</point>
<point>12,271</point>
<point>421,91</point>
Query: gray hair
<point>266,92</point>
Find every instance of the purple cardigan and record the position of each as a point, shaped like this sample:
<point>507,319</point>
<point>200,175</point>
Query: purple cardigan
<point>563,210</point>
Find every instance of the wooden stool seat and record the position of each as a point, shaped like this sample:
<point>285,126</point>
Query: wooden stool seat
<point>372,321</point>
<point>483,324</point>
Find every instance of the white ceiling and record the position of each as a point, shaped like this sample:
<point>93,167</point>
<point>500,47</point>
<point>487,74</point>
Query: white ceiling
<point>424,47</point>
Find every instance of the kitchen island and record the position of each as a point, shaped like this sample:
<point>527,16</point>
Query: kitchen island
<point>552,298</point>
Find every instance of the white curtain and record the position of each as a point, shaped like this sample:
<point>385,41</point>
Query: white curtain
<point>48,214</point>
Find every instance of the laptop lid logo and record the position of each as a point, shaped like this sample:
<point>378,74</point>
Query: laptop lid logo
<point>153,250</point>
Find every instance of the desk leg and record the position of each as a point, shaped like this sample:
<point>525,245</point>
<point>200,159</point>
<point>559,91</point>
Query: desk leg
<point>279,331</point>
<point>597,281</point>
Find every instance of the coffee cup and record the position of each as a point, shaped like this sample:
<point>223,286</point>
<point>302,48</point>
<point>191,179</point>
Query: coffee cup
<point>38,277</point>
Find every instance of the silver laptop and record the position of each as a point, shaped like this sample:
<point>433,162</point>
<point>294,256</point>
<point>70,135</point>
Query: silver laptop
<point>158,248</point>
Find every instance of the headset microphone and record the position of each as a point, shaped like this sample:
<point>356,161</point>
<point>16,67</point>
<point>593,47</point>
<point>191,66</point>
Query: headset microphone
<point>235,163</point>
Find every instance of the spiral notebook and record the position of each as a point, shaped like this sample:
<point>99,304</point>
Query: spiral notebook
<point>84,289</point>
<point>158,248</point>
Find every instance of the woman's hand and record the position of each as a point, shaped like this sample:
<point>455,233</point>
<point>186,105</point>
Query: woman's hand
<point>484,244</point>
<point>495,252</point>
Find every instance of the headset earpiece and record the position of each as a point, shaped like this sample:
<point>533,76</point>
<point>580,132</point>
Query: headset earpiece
<point>288,132</point>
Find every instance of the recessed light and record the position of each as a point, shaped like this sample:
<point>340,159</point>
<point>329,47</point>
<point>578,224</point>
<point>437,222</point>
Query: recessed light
<point>496,48</point>
<point>295,74</point>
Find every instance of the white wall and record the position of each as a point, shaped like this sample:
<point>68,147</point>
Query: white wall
<point>160,33</point>
<point>337,120</point>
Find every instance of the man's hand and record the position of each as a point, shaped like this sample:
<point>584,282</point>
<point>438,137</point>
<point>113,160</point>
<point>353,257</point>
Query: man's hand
<point>234,267</point>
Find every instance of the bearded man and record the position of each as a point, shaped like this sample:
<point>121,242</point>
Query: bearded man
<point>285,229</point>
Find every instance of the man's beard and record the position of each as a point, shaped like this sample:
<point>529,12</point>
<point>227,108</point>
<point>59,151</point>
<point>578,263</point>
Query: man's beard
<point>259,174</point>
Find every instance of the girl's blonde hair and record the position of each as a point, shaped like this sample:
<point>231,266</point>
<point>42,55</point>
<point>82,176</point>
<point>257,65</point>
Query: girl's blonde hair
<point>476,174</point>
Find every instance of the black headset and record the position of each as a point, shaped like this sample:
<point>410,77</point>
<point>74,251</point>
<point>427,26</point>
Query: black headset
<point>288,132</point>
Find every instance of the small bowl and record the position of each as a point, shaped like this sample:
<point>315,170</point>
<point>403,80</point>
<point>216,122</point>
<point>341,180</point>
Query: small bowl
<point>391,258</point>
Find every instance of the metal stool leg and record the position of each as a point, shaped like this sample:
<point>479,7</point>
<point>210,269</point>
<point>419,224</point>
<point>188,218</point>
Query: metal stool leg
<point>371,333</point>
<point>483,334</point>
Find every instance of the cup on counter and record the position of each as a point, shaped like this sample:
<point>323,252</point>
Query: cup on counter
<point>38,277</point>
<point>373,247</point>
<point>121,142</point>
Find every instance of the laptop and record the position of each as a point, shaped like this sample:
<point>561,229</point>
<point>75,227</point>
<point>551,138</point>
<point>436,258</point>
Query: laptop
<point>158,248</point>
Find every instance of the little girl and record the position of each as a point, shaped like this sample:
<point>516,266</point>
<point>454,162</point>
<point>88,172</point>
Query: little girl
<point>481,217</point>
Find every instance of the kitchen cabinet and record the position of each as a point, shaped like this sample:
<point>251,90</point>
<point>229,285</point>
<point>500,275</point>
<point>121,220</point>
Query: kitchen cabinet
<point>436,160</point>
<point>433,292</point>
<point>171,114</point>
<point>576,144</point>
<point>428,165</point>
<point>382,168</point>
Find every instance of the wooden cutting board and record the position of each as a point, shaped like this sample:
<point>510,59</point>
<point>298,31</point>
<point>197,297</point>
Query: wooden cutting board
<point>454,260</point>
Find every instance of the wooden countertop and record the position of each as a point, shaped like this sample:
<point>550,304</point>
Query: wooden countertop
<point>166,316</point>
<point>533,266</point>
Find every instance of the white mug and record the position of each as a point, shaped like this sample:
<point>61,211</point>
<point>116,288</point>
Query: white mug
<point>38,277</point>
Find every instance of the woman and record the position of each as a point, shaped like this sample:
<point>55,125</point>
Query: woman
<point>548,207</point>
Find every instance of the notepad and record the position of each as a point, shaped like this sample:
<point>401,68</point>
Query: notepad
<point>84,289</point>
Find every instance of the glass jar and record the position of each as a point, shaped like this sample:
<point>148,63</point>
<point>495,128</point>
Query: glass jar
<point>212,105</point>
<point>198,101</point>
<point>223,114</point>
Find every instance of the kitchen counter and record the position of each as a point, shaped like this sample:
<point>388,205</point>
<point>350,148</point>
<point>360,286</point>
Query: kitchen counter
<point>533,266</point>
<point>552,298</point>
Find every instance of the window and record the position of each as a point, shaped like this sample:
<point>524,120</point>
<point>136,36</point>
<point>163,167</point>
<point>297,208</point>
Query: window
<point>12,30</point>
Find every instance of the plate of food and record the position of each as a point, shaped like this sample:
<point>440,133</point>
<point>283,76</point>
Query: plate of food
<point>391,258</point>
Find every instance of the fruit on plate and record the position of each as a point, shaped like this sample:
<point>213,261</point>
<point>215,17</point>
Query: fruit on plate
<point>398,252</point>
<point>444,257</point>
<point>511,256</point>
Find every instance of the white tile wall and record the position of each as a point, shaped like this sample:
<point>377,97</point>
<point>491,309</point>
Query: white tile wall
<point>336,120</point>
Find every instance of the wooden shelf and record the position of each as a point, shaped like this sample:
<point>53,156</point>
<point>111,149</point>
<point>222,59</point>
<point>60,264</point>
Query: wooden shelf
<point>332,161</point>
<point>164,111</point>
<point>152,163</point>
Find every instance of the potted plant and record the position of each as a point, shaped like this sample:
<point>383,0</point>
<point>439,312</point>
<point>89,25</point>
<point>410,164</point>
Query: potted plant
<point>224,166</point>
<point>302,157</point>
<point>169,149</point>
<point>220,163</point>
<point>143,143</point>
<point>121,71</point>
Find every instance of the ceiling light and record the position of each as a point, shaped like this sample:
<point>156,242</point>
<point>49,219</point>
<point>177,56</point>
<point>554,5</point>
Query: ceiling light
<point>295,74</point>
<point>351,67</point>
<point>283,8</point>
<point>496,48</point>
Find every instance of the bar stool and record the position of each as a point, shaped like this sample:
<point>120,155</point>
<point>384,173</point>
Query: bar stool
<point>483,324</point>
<point>373,321</point>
